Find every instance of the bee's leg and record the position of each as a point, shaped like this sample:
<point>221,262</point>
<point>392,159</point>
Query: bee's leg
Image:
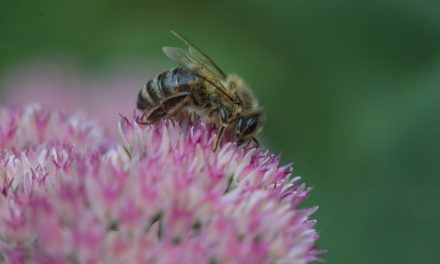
<point>224,122</point>
<point>212,115</point>
<point>213,112</point>
<point>176,104</point>
<point>257,144</point>
<point>169,105</point>
<point>142,122</point>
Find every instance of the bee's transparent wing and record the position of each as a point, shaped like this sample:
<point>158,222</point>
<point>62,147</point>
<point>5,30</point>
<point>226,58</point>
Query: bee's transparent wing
<point>201,56</point>
<point>196,65</point>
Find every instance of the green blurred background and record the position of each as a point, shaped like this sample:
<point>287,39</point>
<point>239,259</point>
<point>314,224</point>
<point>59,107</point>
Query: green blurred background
<point>351,90</point>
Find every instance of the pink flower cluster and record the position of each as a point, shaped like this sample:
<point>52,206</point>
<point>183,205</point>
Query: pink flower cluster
<point>72,194</point>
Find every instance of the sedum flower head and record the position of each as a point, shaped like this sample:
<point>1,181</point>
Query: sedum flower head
<point>72,194</point>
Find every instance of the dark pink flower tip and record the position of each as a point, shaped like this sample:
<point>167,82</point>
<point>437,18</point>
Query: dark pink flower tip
<point>71,193</point>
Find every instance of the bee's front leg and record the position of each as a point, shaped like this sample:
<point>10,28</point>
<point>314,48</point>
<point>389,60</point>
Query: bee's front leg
<point>257,144</point>
<point>224,122</point>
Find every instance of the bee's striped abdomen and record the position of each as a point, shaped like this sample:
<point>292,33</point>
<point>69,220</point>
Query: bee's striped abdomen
<point>164,85</point>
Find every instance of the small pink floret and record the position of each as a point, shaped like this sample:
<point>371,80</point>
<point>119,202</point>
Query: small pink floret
<point>71,193</point>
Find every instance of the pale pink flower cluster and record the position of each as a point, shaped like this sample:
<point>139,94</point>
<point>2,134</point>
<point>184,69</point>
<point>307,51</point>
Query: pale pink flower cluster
<point>69,193</point>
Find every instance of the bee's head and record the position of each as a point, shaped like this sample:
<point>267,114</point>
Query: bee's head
<point>246,127</point>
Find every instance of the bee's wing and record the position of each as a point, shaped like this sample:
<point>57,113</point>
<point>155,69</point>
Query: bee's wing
<point>200,55</point>
<point>200,64</point>
<point>197,67</point>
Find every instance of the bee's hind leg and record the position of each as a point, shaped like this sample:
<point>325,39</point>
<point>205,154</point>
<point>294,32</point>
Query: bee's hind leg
<point>139,121</point>
<point>224,122</point>
<point>168,106</point>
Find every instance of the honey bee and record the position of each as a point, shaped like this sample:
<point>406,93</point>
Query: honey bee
<point>225,101</point>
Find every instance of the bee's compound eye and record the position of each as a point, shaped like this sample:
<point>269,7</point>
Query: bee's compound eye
<point>251,125</point>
